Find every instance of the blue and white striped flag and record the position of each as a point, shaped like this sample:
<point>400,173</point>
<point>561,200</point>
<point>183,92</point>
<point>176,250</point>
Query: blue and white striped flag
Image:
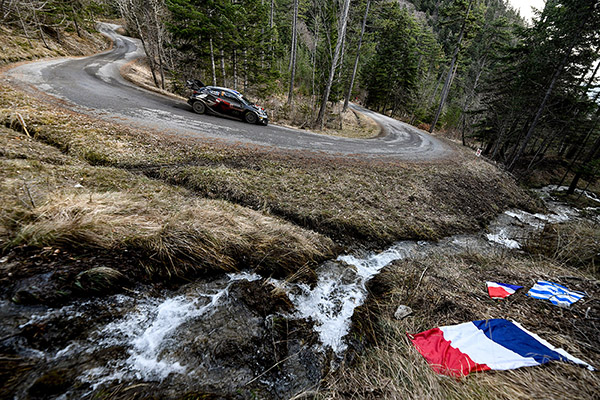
<point>555,293</point>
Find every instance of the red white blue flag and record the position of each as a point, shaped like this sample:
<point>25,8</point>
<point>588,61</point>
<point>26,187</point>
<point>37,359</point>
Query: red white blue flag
<point>499,290</point>
<point>494,344</point>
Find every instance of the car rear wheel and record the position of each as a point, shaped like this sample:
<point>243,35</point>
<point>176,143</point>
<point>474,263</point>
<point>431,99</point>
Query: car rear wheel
<point>199,107</point>
<point>250,118</point>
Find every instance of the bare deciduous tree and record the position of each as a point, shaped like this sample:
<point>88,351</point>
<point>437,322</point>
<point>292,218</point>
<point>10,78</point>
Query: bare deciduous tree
<point>342,24</point>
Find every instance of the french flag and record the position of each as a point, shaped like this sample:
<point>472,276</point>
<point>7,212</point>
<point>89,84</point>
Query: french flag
<point>499,290</point>
<point>494,344</point>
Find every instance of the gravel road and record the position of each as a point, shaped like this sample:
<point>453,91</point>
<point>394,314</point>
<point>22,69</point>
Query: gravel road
<point>93,85</point>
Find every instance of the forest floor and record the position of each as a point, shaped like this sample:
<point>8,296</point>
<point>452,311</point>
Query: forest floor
<point>104,205</point>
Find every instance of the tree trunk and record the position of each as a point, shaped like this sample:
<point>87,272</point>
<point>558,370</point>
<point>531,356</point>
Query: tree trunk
<point>23,25</point>
<point>541,108</point>
<point>341,61</point>
<point>593,151</point>
<point>355,69</point>
<point>437,85</point>
<point>146,50</point>
<point>584,142</point>
<point>161,69</point>
<point>292,67</point>
<point>341,34</point>
<point>245,70</point>
<point>451,71</point>
<point>235,69</point>
<point>212,63</point>
<point>75,21</point>
<point>271,20</point>
<point>468,100</point>
<point>39,27</point>
<point>314,59</point>
<point>223,67</point>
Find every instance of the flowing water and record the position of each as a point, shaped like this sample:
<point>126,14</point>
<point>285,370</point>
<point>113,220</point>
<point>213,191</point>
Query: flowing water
<point>228,335</point>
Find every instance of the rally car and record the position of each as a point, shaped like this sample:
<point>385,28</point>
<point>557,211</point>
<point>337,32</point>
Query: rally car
<point>224,102</point>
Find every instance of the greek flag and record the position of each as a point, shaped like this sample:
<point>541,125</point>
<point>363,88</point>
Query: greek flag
<point>555,293</point>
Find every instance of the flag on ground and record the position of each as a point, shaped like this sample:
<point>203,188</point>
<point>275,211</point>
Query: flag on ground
<point>499,290</point>
<point>555,293</point>
<point>495,344</point>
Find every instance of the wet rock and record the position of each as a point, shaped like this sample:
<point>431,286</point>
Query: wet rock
<point>36,290</point>
<point>402,312</point>
<point>260,351</point>
<point>263,299</point>
<point>51,383</point>
<point>99,280</point>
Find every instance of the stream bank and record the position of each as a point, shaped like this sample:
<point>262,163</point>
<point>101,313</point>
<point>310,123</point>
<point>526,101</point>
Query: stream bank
<point>235,336</point>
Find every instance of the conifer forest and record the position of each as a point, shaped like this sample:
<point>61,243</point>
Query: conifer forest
<point>525,92</point>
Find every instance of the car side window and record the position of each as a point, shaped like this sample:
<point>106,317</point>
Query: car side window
<point>230,97</point>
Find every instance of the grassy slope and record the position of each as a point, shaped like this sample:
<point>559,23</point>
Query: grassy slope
<point>53,200</point>
<point>171,203</point>
<point>347,199</point>
<point>17,47</point>
<point>446,290</point>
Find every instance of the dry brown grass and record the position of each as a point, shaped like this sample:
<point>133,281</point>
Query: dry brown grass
<point>52,200</point>
<point>368,200</point>
<point>182,234</point>
<point>576,244</point>
<point>452,291</point>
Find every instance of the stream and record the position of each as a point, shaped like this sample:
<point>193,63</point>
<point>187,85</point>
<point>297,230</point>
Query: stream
<point>236,336</point>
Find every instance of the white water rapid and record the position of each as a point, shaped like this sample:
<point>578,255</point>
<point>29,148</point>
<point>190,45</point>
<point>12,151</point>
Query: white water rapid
<point>169,337</point>
<point>149,330</point>
<point>339,290</point>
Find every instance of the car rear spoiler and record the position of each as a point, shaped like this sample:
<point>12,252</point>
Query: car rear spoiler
<point>194,84</point>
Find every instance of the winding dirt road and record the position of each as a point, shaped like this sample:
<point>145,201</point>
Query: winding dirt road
<point>93,85</point>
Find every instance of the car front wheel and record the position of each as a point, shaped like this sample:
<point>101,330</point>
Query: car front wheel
<point>199,107</point>
<point>250,118</point>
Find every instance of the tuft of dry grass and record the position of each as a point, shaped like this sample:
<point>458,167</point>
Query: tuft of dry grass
<point>444,290</point>
<point>575,243</point>
<point>51,200</point>
<point>373,201</point>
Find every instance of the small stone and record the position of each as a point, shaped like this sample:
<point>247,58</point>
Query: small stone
<point>402,312</point>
